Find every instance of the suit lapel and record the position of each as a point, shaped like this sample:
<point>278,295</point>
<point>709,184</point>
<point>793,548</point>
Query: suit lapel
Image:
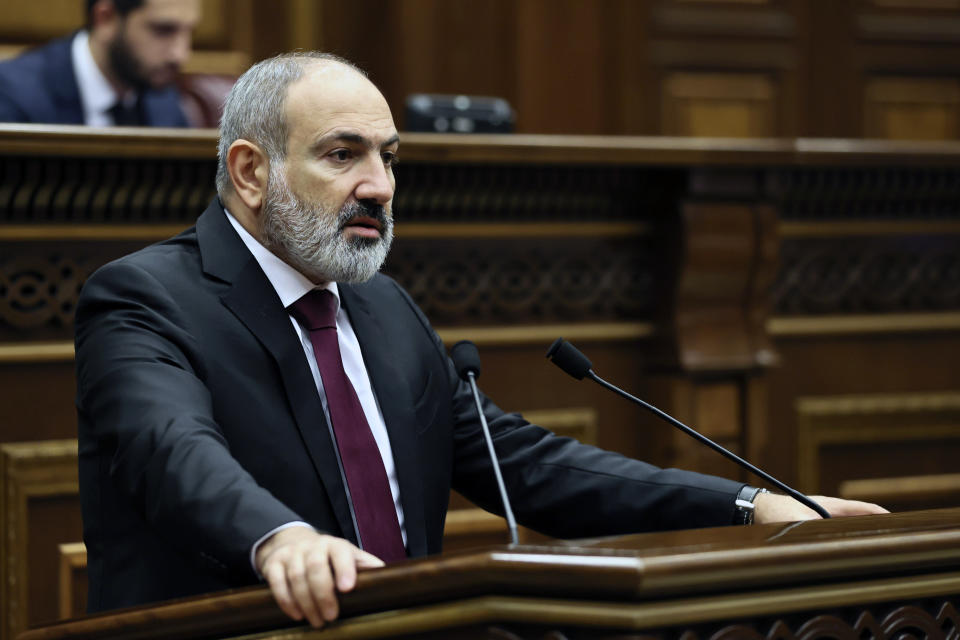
<point>162,109</point>
<point>396,405</point>
<point>255,303</point>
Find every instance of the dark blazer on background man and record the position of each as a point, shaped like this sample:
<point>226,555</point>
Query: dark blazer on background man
<point>201,428</point>
<point>39,87</point>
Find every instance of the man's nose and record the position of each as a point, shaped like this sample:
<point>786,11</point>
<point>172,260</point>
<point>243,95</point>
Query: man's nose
<point>181,47</point>
<point>376,182</point>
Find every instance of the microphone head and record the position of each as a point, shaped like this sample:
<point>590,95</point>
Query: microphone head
<point>466,359</point>
<point>568,357</point>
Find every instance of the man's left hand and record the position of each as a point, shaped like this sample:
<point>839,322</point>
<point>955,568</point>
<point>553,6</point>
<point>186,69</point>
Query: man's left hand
<point>773,507</point>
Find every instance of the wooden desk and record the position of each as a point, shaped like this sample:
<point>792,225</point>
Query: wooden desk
<point>879,577</point>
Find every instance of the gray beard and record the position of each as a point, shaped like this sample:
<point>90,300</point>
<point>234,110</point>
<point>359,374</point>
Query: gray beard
<point>310,237</point>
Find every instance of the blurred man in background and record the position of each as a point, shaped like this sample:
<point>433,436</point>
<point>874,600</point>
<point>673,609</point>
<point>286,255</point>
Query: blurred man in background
<point>120,70</point>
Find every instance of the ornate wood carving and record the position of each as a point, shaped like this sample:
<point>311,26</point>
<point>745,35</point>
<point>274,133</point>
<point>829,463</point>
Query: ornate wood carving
<point>36,291</point>
<point>875,193</point>
<point>504,281</point>
<point>40,190</point>
<point>934,620</point>
<point>868,275</point>
<point>457,281</point>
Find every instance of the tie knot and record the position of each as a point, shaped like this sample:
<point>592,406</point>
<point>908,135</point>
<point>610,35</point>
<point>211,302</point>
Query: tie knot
<point>317,309</point>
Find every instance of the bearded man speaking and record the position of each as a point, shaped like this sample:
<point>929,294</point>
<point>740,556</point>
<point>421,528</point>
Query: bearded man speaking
<point>120,70</point>
<point>257,402</point>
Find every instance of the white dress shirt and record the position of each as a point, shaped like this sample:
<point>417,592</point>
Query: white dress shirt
<point>97,95</point>
<point>290,286</point>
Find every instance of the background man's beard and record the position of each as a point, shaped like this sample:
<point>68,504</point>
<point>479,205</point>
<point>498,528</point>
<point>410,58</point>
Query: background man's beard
<point>126,66</point>
<point>310,237</point>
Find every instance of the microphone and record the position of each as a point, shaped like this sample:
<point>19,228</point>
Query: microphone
<point>466,360</point>
<point>574,363</point>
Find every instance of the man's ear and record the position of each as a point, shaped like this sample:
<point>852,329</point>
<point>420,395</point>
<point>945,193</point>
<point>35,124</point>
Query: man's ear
<point>104,16</point>
<point>249,170</point>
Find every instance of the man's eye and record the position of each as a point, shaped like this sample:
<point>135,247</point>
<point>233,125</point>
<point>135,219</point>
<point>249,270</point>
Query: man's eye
<point>341,155</point>
<point>163,30</point>
<point>390,158</point>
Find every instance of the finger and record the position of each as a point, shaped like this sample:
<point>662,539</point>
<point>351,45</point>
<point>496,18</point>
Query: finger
<point>320,579</point>
<point>875,508</point>
<point>856,507</point>
<point>300,588</point>
<point>840,507</point>
<point>277,579</point>
<point>366,560</point>
<point>343,559</point>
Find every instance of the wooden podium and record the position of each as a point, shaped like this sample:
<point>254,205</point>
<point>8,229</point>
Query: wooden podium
<point>891,576</point>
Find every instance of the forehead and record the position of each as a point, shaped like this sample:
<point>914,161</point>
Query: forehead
<point>331,96</point>
<point>179,11</point>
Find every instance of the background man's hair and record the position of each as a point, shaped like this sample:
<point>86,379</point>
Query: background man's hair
<point>123,8</point>
<point>254,109</point>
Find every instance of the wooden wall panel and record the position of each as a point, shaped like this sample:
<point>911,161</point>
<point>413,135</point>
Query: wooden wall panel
<point>37,397</point>
<point>844,68</point>
<point>902,58</point>
<point>30,22</point>
<point>843,438</point>
<point>719,104</point>
<point>73,579</point>
<point>39,510</point>
<point>905,108</point>
<point>848,68</point>
<point>831,366</point>
<point>726,69</point>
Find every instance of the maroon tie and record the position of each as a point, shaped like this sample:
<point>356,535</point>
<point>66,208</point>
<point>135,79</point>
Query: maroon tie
<point>362,464</point>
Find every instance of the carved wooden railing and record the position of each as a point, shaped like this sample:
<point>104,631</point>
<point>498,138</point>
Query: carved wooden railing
<point>541,229</point>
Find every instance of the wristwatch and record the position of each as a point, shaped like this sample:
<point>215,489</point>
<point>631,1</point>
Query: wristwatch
<point>744,506</point>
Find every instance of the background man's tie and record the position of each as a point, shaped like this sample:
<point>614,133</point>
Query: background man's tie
<point>127,115</point>
<point>362,464</point>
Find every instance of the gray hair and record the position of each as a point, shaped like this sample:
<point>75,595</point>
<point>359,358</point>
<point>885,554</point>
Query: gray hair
<point>254,108</point>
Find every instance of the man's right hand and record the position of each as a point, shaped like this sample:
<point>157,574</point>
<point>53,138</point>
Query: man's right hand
<point>306,569</point>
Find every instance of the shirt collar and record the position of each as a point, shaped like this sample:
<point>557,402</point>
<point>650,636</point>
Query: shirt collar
<point>96,93</point>
<point>290,284</point>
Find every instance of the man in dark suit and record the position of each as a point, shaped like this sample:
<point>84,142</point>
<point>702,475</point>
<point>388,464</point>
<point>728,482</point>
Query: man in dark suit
<point>254,399</point>
<point>119,71</point>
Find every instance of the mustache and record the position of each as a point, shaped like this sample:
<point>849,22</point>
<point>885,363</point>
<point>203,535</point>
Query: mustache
<point>362,208</point>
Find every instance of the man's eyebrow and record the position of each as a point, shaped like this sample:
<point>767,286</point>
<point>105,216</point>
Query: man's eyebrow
<point>355,138</point>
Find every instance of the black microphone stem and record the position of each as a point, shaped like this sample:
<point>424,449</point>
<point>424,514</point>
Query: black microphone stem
<point>508,512</point>
<point>796,495</point>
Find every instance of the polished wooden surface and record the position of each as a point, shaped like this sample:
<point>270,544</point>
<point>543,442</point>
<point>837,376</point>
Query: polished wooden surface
<point>632,569</point>
<point>530,148</point>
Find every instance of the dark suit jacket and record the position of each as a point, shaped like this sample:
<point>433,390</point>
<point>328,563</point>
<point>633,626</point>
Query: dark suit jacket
<point>201,428</point>
<point>39,87</point>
